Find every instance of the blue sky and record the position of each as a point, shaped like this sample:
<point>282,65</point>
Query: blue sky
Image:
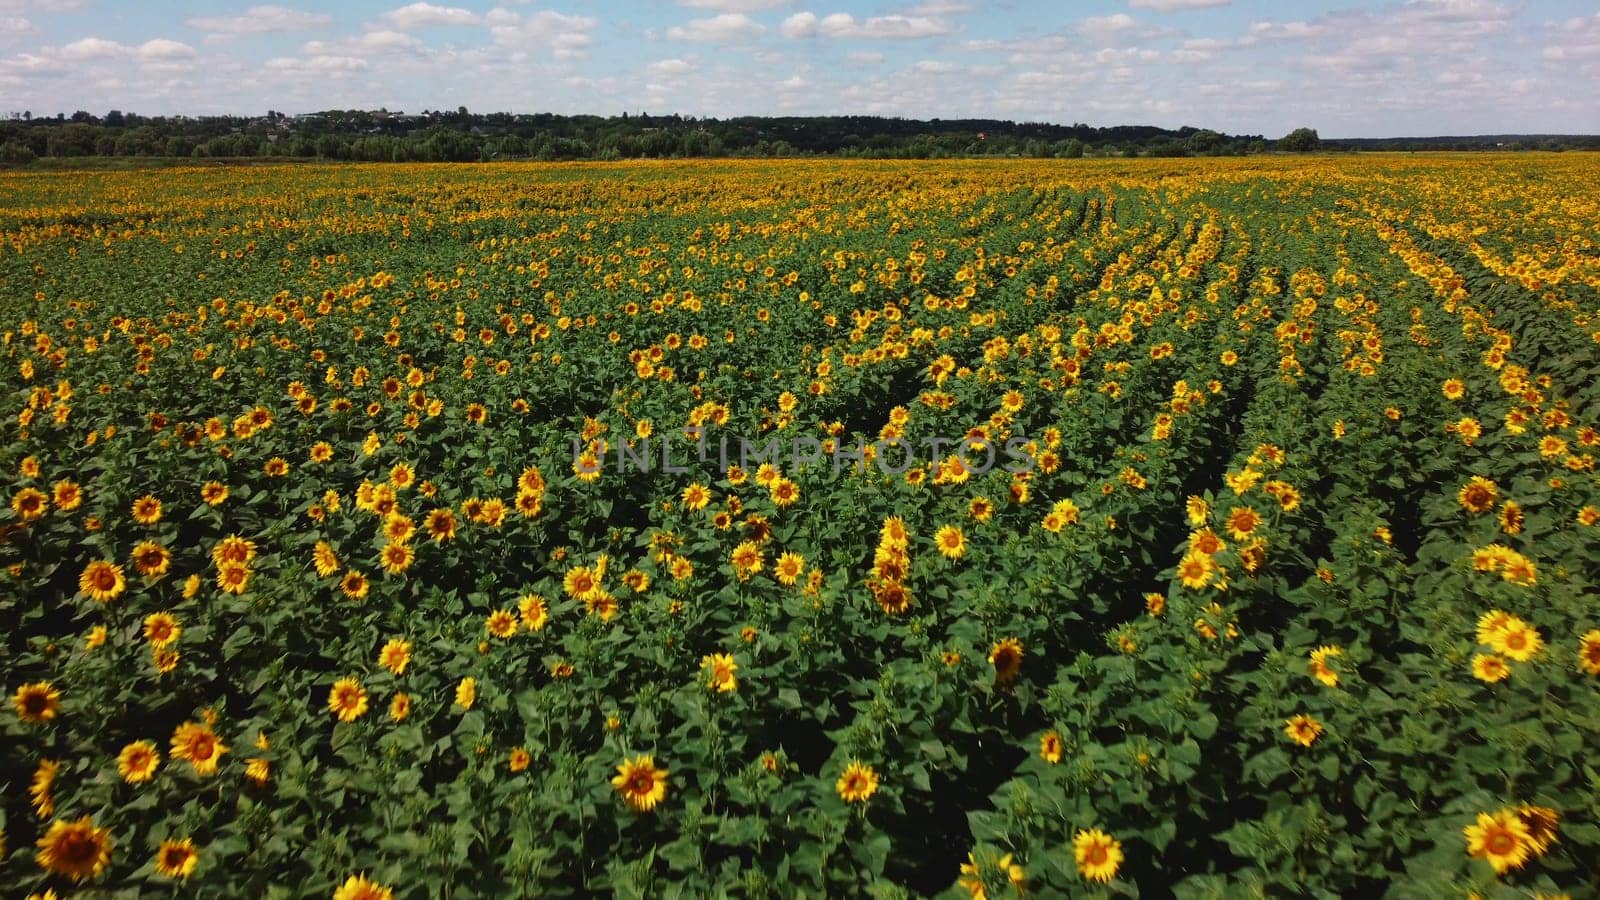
<point>1350,69</point>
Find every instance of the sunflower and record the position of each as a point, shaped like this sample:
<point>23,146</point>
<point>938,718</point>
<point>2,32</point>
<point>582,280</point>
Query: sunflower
<point>161,629</point>
<point>1489,668</point>
<point>1518,641</point>
<point>398,528</point>
<point>789,568</point>
<point>395,655</point>
<point>354,585</point>
<point>233,578</point>
<point>520,760</point>
<point>400,707</point>
<point>357,887</point>
<point>39,788</point>
<point>37,702</point>
<point>67,495</point>
<point>147,510</point>
<point>1242,521</point>
<point>102,581</point>
<point>719,669</point>
<point>581,582</point>
<point>164,658</point>
<point>276,467</point>
<point>1319,667</point>
<point>640,783</point>
<point>1542,824</point>
<point>1206,541</point>
<point>1006,657</point>
<point>29,504</point>
<point>1098,855</point>
<point>177,859</point>
<point>1478,495</point>
<point>322,556</point>
<point>1589,652</point>
<point>746,558</point>
<point>397,557</point>
<point>347,699</point>
<point>980,509</point>
<point>441,525</point>
<point>1492,623</point>
<point>952,543</point>
<point>502,623</point>
<point>199,745</point>
<point>528,505</point>
<point>972,877</point>
<point>1050,747</point>
<point>151,560</point>
<point>233,550</point>
<point>138,761</point>
<point>784,492</point>
<point>1500,838</point>
<point>1511,517</point>
<point>1195,570</point>
<point>534,612</point>
<point>1302,729</point>
<point>857,783</point>
<point>467,692</point>
<point>76,850</point>
<point>696,497</point>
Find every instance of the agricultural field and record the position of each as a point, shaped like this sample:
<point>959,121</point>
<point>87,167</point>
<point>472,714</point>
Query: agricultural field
<point>1189,528</point>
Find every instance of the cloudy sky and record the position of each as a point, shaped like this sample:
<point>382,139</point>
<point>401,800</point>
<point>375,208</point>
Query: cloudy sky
<point>1350,69</point>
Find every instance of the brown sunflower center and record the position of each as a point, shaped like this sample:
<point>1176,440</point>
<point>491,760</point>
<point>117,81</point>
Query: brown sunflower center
<point>78,848</point>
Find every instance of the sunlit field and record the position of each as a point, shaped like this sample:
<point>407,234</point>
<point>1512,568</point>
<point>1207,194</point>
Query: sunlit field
<point>1241,535</point>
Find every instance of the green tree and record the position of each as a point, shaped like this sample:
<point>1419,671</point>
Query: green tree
<point>1300,140</point>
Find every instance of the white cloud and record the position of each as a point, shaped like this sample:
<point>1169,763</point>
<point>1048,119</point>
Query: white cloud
<point>366,44</point>
<point>12,27</point>
<point>423,15</point>
<point>163,49</point>
<point>670,68</point>
<point>799,25</point>
<point>844,25</point>
<point>319,65</point>
<point>1112,24</point>
<point>44,6</point>
<point>1171,5</point>
<point>938,8</point>
<point>261,20</point>
<point>721,29</point>
<point>92,48</point>
<point>565,36</point>
<point>734,6</point>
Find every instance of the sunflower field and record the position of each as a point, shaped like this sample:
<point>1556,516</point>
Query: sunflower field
<point>320,576</point>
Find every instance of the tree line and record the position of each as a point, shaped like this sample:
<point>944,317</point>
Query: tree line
<point>461,136</point>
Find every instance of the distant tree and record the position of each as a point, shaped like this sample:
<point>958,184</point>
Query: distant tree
<point>16,153</point>
<point>1300,140</point>
<point>1071,148</point>
<point>114,119</point>
<point>1204,142</point>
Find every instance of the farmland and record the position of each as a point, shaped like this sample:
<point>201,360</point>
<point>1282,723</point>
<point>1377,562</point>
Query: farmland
<point>320,576</point>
